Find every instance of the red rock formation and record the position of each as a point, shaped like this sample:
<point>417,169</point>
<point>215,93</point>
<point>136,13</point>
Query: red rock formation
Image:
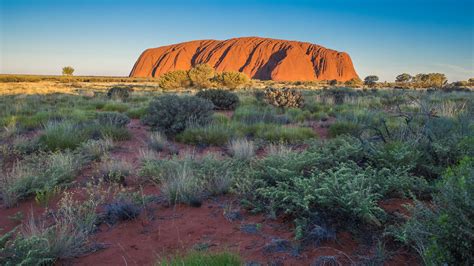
<point>259,58</point>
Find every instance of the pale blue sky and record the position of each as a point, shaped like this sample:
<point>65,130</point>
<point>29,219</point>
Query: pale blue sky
<point>105,37</point>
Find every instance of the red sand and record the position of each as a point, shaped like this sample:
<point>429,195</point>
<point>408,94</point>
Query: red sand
<point>163,231</point>
<point>259,58</point>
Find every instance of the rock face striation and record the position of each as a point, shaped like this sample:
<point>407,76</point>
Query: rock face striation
<point>259,58</point>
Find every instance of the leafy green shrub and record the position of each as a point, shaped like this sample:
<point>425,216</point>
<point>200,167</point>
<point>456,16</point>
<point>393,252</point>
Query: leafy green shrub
<point>201,75</point>
<point>171,114</point>
<point>174,80</point>
<point>113,119</point>
<point>222,100</point>
<point>198,259</point>
<point>284,97</point>
<point>121,93</point>
<point>442,232</point>
<point>231,79</point>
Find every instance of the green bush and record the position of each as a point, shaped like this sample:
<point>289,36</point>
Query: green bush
<point>442,232</point>
<point>172,114</point>
<point>201,75</point>
<point>231,79</point>
<point>113,119</point>
<point>284,97</point>
<point>119,93</point>
<point>222,100</point>
<point>174,80</point>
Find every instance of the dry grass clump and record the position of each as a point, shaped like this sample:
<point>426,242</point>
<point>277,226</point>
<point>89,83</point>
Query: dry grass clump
<point>242,149</point>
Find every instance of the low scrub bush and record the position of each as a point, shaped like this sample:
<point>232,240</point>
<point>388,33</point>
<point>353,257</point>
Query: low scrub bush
<point>136,113</point>
<point>242,149</point>
<point>61,136</point>
<point>222,100</point>
<point>212,134</point>
<point>284,97</point>
<point>119,93</point>
<point>231,79</point>
<point>189,180</point>
<point>250,114</point>
<point>442,232</point>
<point>114,171</point>
<point>113,119</point>
<point>158,141</point>
<point>121,211</point>
<point>278,134</point>
<point>174,80</point>
<point>66,235</point>
<point>201,76</point>
<point>171,114</point>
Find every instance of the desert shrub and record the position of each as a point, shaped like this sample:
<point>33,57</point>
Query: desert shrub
<point>61,136</point>
<point>298,115</point>
<point>222,100</point>
<point>180,185</point>
<point>158,141</point>
<point>114,171</point>
<point>112,118</point>
<point>174,80</point>
<point>95,149</point>
<point>278,134</point>
<point>136,113</point>
<point>119,93</point>
<point>115,107</point>
<point>113,132</point>
<point>40,173</point>
<point>171,114</point>
<point>344,127</point>
<point>121,210</point>
<point>66,236</point>
<point>232,80</point>
<point>242,149</point>
<point>189,180</point>
<point>201,75</point>
<point>197,259</point>
<point>284,97</point>
<point>442,232</point>
<point>250,114</point>
<point>212,134</point>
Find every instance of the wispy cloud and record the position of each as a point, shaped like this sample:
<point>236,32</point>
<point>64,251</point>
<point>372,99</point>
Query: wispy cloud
<point>456,69</point>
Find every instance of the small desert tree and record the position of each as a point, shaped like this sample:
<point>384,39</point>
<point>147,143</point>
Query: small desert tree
<point>403,78</point>
<point>371,80</point>
<point>355,82</point>
<point>174,80</point>
<point>68,70</point>
<point>201,75</point>
<point>231,79</point>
